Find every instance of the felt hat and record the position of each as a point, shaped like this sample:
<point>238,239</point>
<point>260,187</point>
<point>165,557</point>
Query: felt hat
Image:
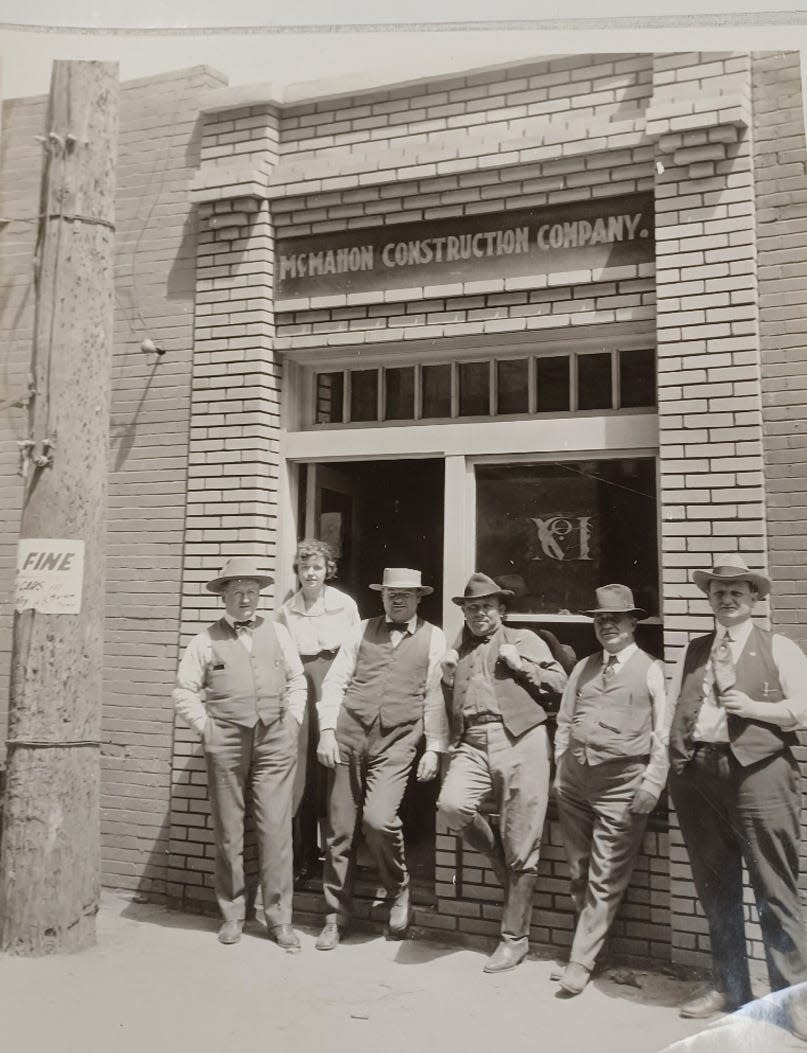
<point>732,568</point>
<point>239,567</point>
<point>479,587</point>
<point>616,599</point>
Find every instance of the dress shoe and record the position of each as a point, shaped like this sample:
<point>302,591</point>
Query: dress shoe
<point>286,938</point>
<point>399,914</point>
<point>708,1003</point>
<point>329,937</point>
<point>574,979</point>
<point>230,931</point>
<point>507,955</point>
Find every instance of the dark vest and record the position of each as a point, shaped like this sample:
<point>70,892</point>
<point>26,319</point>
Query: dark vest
<point>389,682</point>
<point>757,676</point>
<point>243,687</point>
<point>518,699</point>
<point>612,719</point>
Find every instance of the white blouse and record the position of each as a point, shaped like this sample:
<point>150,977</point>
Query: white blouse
<point>326,623</point>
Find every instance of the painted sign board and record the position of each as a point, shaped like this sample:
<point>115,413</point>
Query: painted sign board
<point>580,235</point>
<point>50,573</point>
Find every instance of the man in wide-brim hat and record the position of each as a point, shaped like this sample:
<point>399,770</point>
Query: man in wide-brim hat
<point>740,695</point>
<point>379,698</point>
<point>498,677</point>
<point>611,760</point>
<point>241,686</point>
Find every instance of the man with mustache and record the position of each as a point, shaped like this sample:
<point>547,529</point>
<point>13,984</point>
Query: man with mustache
<point>500,750</point>
<point>611,758</point>
<point>380,696</point>
<point>741,696</point>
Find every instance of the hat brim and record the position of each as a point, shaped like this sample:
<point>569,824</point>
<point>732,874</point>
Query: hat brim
<point>637,612</point>
<point>424,590</point>
<point>499,594</point>
<point>217,584</point>
<point>760,581</point>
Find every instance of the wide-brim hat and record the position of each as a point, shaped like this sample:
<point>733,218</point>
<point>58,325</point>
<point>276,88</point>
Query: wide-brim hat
<point>732,568</point>
<point>402,578</point>
<point>480,587</point>
<point>239,567</point>
<point>616,599</point>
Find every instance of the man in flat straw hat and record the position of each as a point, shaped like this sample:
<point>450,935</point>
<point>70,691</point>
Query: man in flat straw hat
<point>611,758</point>
<point>241,686</point>
<point>740,695</point>
<point>379,697</point>
<point>500,751</point>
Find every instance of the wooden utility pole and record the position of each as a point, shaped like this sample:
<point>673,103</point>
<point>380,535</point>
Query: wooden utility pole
<point>49,857</point>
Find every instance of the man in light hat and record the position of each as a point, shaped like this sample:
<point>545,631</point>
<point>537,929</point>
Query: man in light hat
<point>379,697</point>
<point>499,677</point>
<point>611,759</point>
<point>241,686</point>
<point>740,696</point>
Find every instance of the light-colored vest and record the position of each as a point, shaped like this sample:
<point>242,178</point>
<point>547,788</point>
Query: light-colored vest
<point>244,687</point>
<point>612,719</point>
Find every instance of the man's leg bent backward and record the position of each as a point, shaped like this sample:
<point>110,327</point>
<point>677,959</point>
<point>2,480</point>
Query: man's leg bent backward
<point>465,787</point>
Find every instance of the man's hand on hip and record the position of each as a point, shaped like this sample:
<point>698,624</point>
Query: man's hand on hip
<point>429,766</point>
<point>328,749</point>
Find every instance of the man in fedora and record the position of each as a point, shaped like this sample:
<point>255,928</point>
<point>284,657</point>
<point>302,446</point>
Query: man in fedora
<point>241,686</point>
<point>611,761</point>
<point>378,698</point>
<point>740,695</point>
<point>499,677</point>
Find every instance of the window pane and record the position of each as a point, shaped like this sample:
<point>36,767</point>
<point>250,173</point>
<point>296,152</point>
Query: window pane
<point>474,395</point>
<point>329,398</point>
<point>399,403</point>
<point>594,382</point>
<point>436,393</point>
<point>512,382</point>
<point>558,531</point>
<point>552,383</point>
<point>363,394</point>
<point>637,378</point>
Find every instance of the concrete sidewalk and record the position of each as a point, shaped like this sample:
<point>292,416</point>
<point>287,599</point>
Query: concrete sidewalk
<point>159,981</point>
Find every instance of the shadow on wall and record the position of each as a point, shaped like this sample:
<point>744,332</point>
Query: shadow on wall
<point>122,436</point>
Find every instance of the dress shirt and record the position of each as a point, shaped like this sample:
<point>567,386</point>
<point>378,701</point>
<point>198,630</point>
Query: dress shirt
<point>325,624</point>
<point>335,684</point>
<point>655,774</point>
<point>790,714</point>
<point>188,695</point>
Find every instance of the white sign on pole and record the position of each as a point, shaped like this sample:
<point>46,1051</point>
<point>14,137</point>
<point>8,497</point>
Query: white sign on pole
<point>50,573</point>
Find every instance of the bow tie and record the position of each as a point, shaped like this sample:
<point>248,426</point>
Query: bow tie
<point>248,624</point>
<point>402,627</point>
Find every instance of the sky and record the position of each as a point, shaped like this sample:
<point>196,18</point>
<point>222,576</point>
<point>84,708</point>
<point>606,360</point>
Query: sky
<point>319,39</point>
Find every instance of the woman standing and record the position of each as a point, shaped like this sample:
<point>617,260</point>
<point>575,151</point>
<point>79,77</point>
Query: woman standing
<point>319,617</point>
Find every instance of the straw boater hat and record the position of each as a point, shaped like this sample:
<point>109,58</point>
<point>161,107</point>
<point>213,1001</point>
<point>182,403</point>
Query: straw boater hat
<point>239,567</point>
<point>479,587</point>
<point>732,568</point>
<point>616,599</point>
<point>402,578</point>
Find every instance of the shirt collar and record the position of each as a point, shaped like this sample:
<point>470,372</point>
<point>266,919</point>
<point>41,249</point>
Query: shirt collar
<point>256,620</point>
<point>739,633</point>
<point>621,656</point>
<point>328,602</point>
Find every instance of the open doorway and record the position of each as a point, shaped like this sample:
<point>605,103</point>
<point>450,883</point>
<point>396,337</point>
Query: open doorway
<point>378,514</point>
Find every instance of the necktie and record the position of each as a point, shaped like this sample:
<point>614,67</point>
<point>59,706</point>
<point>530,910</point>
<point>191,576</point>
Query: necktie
<point>723,666</point>
<point>609,670</point>
<point>248,624</point>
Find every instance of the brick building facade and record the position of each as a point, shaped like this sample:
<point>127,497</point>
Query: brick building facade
<point>333,355</point>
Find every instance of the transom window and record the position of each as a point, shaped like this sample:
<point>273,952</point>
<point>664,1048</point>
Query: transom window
<point>571,382</point>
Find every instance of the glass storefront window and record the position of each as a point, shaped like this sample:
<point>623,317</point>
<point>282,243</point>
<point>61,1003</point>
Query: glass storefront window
<point>594,381</point>
<point>474,385</point>
<point>435,391</point>
<point>363,394</point>
<point>512,386</point>
<point>552,384</point>
<point>399,397</point>
<point>637,378</point>
<point>330,390</point>
<point>559,530</point>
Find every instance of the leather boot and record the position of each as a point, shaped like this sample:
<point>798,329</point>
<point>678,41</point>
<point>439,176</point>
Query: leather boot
<point>514,944</point>
<point>480,836</point>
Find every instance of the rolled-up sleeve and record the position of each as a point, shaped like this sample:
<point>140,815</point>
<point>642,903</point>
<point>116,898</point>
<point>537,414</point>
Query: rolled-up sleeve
<point>539,667</point>
<point>296,687</point>
<point>655,775</point>
<point>566,712</point>
<point>791,665</point>
<point>435,719</point>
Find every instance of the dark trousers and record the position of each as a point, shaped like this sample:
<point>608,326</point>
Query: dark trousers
<point>262,758</point>
<point>309,795</point>
<point>602,838</point>
<point>730,814</point>
<point>366,790</point>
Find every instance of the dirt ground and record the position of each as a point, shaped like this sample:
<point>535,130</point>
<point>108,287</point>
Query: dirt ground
<point>160,981</point>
